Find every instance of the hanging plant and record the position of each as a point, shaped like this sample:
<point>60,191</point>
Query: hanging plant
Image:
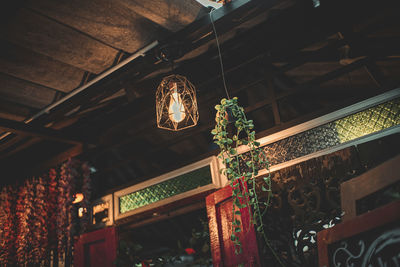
<point>231,131</point>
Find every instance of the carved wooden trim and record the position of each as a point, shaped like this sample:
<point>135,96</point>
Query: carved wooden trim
<point>378,217</point>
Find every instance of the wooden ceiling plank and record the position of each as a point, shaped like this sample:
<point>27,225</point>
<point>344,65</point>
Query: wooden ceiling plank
<point>120,77</point>
<point>47,37</point>
<point>14,111</point>
<point>105,20</point>
<point>170,14</point>
<point>26,93</point>
<point>25,64</point>
<point>42,132</point>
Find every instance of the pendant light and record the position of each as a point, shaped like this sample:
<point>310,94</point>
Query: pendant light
<point>176,103</point>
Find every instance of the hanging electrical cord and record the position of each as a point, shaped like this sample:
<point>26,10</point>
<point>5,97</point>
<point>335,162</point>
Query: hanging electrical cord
<point>219,54</point>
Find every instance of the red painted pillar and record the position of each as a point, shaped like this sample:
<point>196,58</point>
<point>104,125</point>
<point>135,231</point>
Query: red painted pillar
<point>96,249</point>
<point>219,211</point>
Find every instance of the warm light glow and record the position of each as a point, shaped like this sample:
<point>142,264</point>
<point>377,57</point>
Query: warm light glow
<point>176,103</point>
<point>78,198</point>
<point>81,211</point>
<point>176,109</point>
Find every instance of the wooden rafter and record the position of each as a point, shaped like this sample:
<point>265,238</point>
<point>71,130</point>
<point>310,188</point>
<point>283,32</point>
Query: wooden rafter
<point>32,130</point>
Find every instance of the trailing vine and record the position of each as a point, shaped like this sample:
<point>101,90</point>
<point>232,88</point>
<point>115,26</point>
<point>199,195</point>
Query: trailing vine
<point>233,130</point>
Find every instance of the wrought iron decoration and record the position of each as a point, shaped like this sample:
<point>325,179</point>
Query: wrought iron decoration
<point>176,104</point>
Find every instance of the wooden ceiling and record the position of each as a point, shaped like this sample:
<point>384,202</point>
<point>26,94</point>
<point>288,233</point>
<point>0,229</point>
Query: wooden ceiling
<point>287,60</point>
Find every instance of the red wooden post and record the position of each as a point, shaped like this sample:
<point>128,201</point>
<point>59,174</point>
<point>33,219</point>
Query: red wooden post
<point>96,249</point>
<point>219,210</point>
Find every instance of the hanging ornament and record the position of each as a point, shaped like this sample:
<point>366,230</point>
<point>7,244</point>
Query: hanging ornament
<point>176,103</point>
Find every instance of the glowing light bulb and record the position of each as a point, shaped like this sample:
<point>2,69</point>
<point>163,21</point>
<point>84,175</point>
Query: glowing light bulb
<point>176,109</point>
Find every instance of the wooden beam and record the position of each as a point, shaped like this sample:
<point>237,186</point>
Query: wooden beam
<point>27,129</point>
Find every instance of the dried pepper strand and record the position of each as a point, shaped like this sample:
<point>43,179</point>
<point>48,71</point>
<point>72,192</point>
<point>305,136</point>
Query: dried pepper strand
<point>7,250</point>
<point>24,211</point>
<point>40,239</point>
<point>52,211</point>
<point>65,198</point>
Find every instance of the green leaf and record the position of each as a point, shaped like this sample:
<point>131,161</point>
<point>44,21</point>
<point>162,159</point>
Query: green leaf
<point>264,189</point>
<point>233,237</point>
<point>238,212</point>
<point>238,229</point>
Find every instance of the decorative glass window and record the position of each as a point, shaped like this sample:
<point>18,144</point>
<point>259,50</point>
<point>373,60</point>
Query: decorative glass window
<point>182,183</point>
<point>367,120</point>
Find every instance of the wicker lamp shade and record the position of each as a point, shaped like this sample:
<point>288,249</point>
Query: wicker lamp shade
<point>176,104</point>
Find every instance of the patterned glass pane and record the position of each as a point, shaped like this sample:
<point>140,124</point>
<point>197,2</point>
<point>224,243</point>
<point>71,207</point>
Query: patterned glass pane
<point>166,189</point>
<point>369,121</point>
<point>334,133</point>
